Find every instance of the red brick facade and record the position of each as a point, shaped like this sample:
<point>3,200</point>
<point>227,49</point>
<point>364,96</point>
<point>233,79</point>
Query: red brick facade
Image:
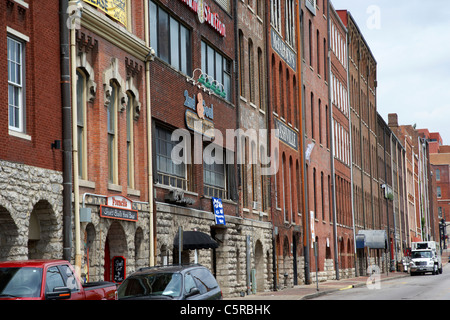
<point>317,109</point>
<point>34,26</point>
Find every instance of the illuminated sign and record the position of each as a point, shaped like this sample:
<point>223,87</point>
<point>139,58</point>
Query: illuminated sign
<point>205,15</point>
<point>116,9</point>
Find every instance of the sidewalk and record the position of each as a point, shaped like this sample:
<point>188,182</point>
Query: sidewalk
<point>305,292</point>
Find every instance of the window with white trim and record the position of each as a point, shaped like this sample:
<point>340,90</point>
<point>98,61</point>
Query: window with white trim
<point>16,105</point>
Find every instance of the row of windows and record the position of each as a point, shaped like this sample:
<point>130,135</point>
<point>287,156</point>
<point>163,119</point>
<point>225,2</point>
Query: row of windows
<point>287,189</point>
<point>341,143</point>
<point>172,40</point>
<point>339,95</point>
<point>217,175</point>
<point>289,19</point>
<point>285,93</point>
<point>339,44</point>
<point>112,130</point>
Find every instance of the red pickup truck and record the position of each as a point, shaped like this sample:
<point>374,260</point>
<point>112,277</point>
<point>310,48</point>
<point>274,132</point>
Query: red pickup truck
<point>49,280</point>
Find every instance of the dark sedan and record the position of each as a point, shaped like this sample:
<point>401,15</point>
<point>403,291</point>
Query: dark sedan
<point>177,282</point>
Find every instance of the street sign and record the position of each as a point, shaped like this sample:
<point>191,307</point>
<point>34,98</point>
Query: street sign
<point>218,211</point>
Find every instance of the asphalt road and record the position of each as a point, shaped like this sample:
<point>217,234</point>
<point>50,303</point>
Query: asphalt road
<point>419,287</point>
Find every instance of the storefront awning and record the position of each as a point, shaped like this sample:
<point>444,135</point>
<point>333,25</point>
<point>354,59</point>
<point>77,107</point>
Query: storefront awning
<point>195,240</point>
<point>373,239</point>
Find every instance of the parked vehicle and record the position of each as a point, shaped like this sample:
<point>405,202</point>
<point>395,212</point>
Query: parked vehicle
<point>49,280</point>
<point>425,257</point>
<point>178,282</point>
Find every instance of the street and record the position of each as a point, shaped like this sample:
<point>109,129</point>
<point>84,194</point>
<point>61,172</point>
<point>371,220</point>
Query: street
<point>420,287</point>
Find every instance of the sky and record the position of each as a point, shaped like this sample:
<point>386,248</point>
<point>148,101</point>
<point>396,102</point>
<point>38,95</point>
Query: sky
<point>410,40</point>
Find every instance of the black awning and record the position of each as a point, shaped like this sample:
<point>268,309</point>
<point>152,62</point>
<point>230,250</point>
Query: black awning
<point>195,240</point>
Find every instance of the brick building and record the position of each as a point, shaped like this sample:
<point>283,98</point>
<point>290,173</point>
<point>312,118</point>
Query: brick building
<point>422,214</point>
<point>318,137</point>
<point>284,101</point>
<point>110,145</point>
<point>252,116</point>
<point>363,87</point>
<point>184,193</point>
<point>340,109</point>
<point>440,164</point>
<point>31,163</point>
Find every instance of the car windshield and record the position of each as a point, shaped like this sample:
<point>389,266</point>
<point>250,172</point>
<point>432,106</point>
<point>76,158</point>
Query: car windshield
<point>154,284</point>
<point>421,254</point>
<point>20,282</point>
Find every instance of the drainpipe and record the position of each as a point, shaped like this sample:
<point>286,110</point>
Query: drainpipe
<point>76,191</point>
<point>150,57</point>
<point>67,137</point>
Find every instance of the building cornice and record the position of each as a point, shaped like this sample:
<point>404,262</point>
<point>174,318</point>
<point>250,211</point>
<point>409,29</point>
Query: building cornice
<point>111,31</point>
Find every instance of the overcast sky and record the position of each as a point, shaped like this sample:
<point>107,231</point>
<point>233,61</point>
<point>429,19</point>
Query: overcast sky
<point>410,40</point>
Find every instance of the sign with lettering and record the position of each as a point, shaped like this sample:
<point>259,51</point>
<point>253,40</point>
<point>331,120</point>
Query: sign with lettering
<point>205,15</point>
<point>116,9</point>
<point>198,114</point>
<point>286,134</point>
<point>119,207</point>
<point>218,211</point>
<point>283,50</point>
<point>119,269</point>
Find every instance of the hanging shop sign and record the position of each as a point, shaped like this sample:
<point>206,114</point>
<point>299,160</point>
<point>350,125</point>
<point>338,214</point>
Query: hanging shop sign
<point>205,15</point>
<point>218,211</point>
<point>116,9</point>
<point>120,208</point>
<point>198,115</point>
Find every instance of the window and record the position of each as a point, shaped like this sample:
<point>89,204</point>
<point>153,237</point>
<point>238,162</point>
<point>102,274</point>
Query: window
<point>439,192</point>
<point>71,281</point>
<point>251,71</point>
<point>170,39</point>
<point>290,22</point>
<point>276,14</point>
<point>16,104</point>
<point>214,176</point>
<point>130,144</point>
<point>81,124</point>
<point>112,129</point>
<point>169,173</point>
<point>438,174</point>
<point>54,279</point>
<point>215,65</point>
